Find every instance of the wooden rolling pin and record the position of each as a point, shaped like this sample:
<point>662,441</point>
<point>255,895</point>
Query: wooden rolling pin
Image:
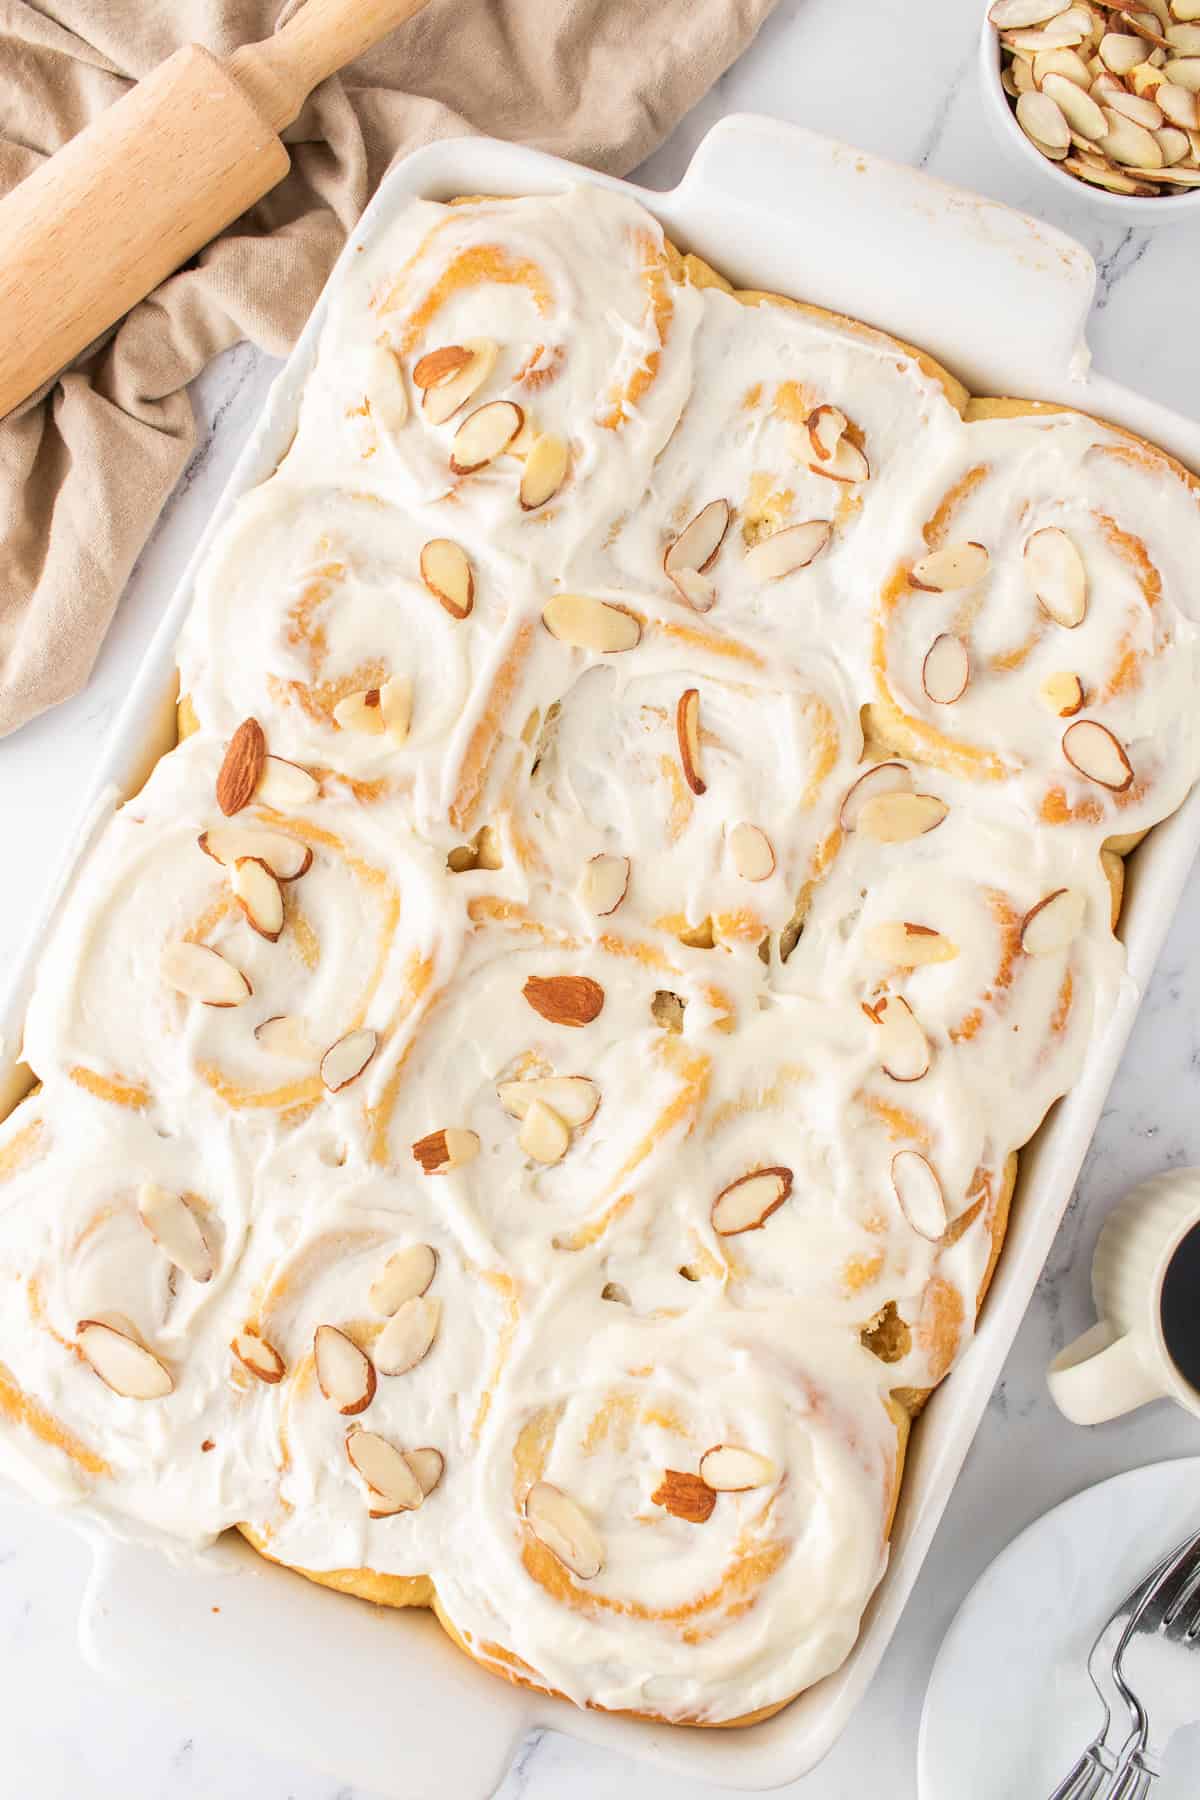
<point>147,185</point>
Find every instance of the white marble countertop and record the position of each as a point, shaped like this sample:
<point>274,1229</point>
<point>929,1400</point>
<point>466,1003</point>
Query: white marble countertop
<point>895,78</point>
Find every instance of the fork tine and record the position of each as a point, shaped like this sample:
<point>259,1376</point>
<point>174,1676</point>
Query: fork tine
<point>1173,1586</point>
<point>1185,1595</point>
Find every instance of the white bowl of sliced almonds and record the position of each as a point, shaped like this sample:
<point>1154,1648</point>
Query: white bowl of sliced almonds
<point>1103,98</point>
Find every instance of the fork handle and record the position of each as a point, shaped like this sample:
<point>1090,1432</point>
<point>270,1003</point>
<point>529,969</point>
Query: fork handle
<point>1134,1783</point>
<point>1087,1779</point>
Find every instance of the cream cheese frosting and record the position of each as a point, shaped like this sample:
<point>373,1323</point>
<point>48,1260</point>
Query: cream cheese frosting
<point>685,1067</point>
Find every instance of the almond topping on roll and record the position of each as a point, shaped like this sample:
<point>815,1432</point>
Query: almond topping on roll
<point>902,1045</point>
<point>588,624</point>
<point>544,1134</point>
<point>286,1035</point>
<point>685,1496</point>
<point>446,572</point>
<point>450,1148</point>
<point>747,1203</point>
<point>203,974</point>
<point>1092,749</point>
<point>919,1193</point>
<point>285,785</point>
<point>453,387</point>
<point>484,435</point>
<point>751,851</point>
<point>604,884</point>
<point>1054,922</point>
<point>439,366</point>
<point>345,1061</point>
<point>345,1374</point>
<point>406,1275</point>
<point>687,730</point>
<point>787,550</point>
<point>287,857</point>
<point>898,817</point>
<point>176,1230</point>
<point>1063,694</point>
<point>946,670</point>
<point>1057,576</point>
<point>121,1362</point>
<point>408,1336</point>
<point>872,784</point>
<point>826,428</point>
<point>565,1529</point>
<point>242,767</point>
<point>258,895</point>
<point>258,1356</point>
<point>728,1469</point>
<point>909,946</point>
<point>689,556</point>
<point>565,999</point>
<point>573,1097</point>
<point>386,1471</point>
<point>360,712</point>
<point>544,472</point>
<point>954,566</point>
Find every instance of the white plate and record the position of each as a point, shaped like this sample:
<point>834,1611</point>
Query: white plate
<point>1010,1705</point>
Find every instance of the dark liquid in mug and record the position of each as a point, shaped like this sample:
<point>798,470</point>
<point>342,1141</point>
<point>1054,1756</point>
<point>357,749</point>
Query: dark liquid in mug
<point>1181,1308</point>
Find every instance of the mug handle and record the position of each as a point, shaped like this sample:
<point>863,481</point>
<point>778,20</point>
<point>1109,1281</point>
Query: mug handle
<point>1099,1377</point>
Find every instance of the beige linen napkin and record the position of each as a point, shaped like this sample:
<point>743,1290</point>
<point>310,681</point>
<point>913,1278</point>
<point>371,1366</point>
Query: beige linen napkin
<point>86,467</point>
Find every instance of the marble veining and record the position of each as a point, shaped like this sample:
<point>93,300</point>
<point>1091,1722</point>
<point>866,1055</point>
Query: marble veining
<point>899,80</point>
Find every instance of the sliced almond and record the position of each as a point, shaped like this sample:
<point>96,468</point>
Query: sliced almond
<point>544,472</point>
<point>544,1135</point>
<point>122,1364</point>
<point>747,1203</point>
<point>395,706</point>
<point>176,1230</point>
<point>1064,31</point>
<point>684,1496</point>
<point>484,435</point>
<point>897,817</point>
<point>345,1374</point>
<point>785,551</point>
<point>408,1336</point>
<point>442,399</point>
<point>919,1193</point>
<point>385,1469</point>
<point>1121,52</point>
<point>452,1147</point>
<point>1129,144</point>
<point>695,550</point>
<point>1042,120</point>
<point>1062,693</point>
<point>1010,15</point>
<point>1179,105</point>
<point>728,1469</point>
<point>1143,80</point>
<point>1174,143</point>
<point>1079,110</point>
<point>1184,72</point>
<point>826,426</point>
<point>387,395</point>
<point>1061,62</point>
<point>1183,39</point>
<point>902,1046</point>
<point>952,567</point>
<point>881,778</point>
<point>428,1465</point>
<point>345,1061</point>
<point>847,464</point>
<point>589,624</point>
<point>667,1010</point>
<point>406,1275</point>
<point>439,366</point>
<point>751,852</point>
<point>1092,749</point>
<point>909,946</point>
<point>1140,108</point>
<point>259,895</point>
<point>946,671</point>
<point>565,1529</point>
<point>287,857</point>
<point>565,999</point>
<point>573,1097</point>
<point>286,1035</point>
<point>1054,922</point>
<point>687,732</point>
<point>203,974</point>
<point>1055,572</point>
<point>241,768</point>
<point>447,574</point>
<point>604,884</point>
<point>360,712</point>
<point>1113,181</point>
<point>285,785</point>
<point>258,1356</point>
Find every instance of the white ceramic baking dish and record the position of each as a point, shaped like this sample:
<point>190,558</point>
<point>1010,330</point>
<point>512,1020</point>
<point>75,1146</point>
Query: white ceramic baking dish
<point>383,1699</point>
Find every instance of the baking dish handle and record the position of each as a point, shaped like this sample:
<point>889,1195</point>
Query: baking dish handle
<point>379,1698</point>
<point>993,288</point>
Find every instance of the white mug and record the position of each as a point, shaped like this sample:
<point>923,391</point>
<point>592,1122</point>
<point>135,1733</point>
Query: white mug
<point>1123,1361</point>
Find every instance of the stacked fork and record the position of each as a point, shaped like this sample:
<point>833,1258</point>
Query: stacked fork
<point>1141,1658</point>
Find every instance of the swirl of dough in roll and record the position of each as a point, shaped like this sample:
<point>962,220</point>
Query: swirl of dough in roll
<point>1052,578</point>
<point>314,598</point>
<point>364,936</point>
<point>607,1568</point>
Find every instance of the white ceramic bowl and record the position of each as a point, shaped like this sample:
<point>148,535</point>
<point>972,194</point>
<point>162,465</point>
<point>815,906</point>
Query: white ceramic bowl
<point>1138,210</point>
